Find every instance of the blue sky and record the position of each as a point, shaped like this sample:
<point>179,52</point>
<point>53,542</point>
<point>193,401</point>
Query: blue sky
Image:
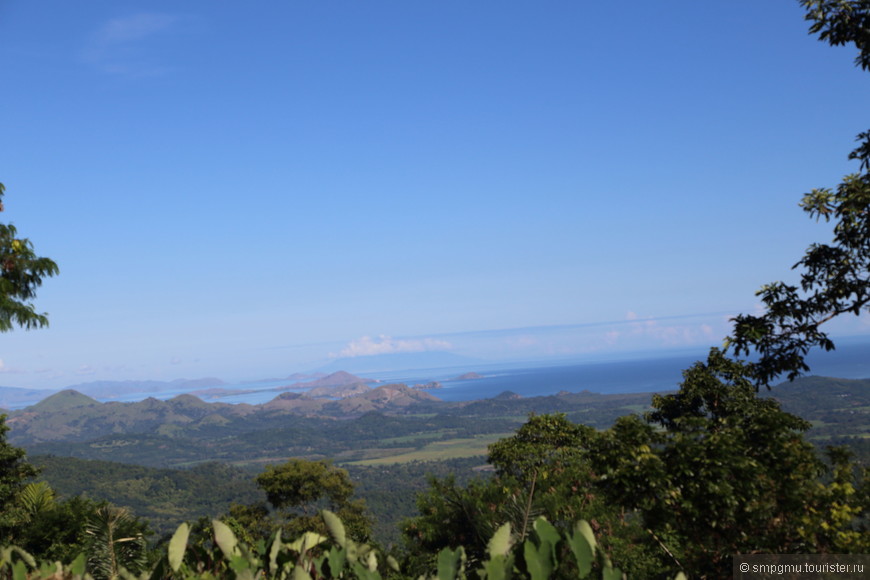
<point>248,190</point>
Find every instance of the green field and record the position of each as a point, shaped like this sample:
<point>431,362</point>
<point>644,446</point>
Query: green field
<point>440,450</point>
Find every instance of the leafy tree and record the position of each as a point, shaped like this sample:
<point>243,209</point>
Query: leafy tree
<point>21,273</point>
<point>714,470</point>
<point>299,489</point>
<point>450,516</point>
<point>542,470</point>
<point>14,472</point>
<point>834,277</point>
<point>54,530</point>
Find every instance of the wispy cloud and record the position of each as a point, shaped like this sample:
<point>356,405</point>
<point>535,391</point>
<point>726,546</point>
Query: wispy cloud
<point>121,45</point>
<point>366,346</point>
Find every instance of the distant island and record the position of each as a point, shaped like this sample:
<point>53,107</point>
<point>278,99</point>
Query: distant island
<point>429,385</point>
<point>468,377</point>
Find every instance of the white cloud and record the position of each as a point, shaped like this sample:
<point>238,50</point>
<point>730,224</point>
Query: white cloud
<point>366,346</point>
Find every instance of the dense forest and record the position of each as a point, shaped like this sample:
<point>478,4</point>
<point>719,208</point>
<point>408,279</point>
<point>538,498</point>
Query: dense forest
<point>552,487</point>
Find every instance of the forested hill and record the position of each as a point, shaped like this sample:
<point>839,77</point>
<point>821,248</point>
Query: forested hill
<point>391,423</point>
<point>388,421</point>
<point>72,416</point>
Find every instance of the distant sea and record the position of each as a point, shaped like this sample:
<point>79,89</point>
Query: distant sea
<point>648,374</point>
<point>640,375</point>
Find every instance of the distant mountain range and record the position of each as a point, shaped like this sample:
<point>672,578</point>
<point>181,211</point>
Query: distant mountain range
<point>73,416</point>
<point>321,386</point>
<point>355,422</point>
<point>16,397</point>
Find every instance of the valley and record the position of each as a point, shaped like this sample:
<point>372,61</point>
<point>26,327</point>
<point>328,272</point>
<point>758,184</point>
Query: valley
<point>183,458</point>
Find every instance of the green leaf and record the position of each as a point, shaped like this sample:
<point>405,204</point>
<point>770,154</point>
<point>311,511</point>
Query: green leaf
<point>500,543</point>
<point>239,564</point>
<point>583,552</point>
<point>498,567</point>
<point>548,535</point>
<point>24,555</point>
<point>19,571</point>
<point>336,527</point>
<point>177,546</point>
<point>225,538</point>
<point>337,558</point>
<point>538,563</point>
<point>450,562</point>
<point>274,551</point>
<point>393,563</point>
<point>582,527</point>
<point>372,561</point>
<point>300,573</point>
<point>306,541</point>
<point>78,565</point>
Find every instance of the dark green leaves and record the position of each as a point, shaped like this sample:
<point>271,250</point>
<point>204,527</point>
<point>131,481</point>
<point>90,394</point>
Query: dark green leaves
<point>21,273</point>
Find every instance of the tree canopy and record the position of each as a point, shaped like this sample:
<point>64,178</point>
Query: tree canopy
<point>834,277</point>
<point>21,273</point>
<point>14,473</point>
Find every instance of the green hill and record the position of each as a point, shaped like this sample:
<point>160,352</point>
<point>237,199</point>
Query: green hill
<point>67,399</point>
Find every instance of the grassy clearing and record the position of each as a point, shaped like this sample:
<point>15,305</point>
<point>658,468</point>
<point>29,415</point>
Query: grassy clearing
<point>639,409</point>
<point>440,450</point>
<point>416,436</point>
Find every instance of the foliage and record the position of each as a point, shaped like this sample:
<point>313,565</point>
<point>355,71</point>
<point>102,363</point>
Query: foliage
<point>390,490</point>
<point>298,489</point>
<point>844,499</point>
<point>165,497</point>
<point>14,472</point>
<point>115,542</point>
<point>841,22</point>
<point>57,530</point>
<point>833,277</point>
<point>546,553</point>
<point>725,472</point>
<point>713,470</point>
<point>21,273</point>
<point>543,470</point>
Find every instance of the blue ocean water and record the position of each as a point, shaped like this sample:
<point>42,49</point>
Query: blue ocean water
<point>652,374</point>
<point>851,360</point>
<point>660,373</point>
